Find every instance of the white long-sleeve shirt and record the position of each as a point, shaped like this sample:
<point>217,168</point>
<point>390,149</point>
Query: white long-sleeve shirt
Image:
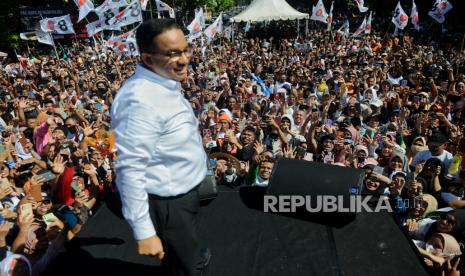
<point>159,149</point>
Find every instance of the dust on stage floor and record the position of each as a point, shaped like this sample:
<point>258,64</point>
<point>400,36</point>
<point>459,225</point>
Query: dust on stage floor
<point>245,241</point>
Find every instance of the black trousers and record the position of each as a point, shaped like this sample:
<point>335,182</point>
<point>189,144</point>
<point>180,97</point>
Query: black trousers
<point>175,222</point>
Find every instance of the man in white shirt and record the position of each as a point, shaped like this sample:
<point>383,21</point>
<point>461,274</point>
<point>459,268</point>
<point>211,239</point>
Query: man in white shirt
<point>436,149</point>
<point>160,157</point>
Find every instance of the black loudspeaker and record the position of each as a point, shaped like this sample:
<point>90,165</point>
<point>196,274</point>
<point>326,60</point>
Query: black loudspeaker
<point>304,178</point>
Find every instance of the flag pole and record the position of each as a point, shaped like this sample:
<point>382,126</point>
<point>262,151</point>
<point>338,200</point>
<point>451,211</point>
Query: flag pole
<point>151,9</point>
<point>54,46</point>
<point>306,28</point>
<point>298,28</point>
<point>28,50</point>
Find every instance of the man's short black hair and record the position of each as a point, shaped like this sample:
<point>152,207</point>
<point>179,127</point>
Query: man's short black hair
<point>151,29</point>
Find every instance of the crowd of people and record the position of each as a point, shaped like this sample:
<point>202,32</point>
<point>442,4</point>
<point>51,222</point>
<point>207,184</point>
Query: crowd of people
<point>386,105</point>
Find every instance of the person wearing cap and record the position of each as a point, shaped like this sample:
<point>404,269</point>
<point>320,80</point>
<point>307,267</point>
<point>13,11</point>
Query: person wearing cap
<point>436,149</point>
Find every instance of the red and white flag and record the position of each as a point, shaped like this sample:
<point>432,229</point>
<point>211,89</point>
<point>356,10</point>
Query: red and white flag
<point>360,5</point>
<point>399,17</point>
<point>124,44</point>
<point>131,14</point>
<point>362,27</point>
<point>214,28</point>
<point>110,4</point>
<point>329,19</point>
<point>161,6</point>
<point>440,8</point>
<point>198,23</point>
<point>414,17</point>
<point>58,25</point>
<point>143,4</point>
<point>85,6</point>
<point>319,12</point>
<point>368,25</point>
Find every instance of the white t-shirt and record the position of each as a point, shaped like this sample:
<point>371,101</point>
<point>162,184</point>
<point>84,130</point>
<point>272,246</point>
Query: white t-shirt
<point>445,157</point>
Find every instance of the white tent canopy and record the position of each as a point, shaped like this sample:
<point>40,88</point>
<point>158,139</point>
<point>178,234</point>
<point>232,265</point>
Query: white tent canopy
<point>263,10</point>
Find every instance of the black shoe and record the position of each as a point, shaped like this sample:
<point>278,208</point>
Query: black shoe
<point>202,265</point>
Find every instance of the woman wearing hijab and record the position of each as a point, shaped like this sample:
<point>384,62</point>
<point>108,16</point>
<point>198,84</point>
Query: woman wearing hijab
<point>437,249</point>
<point>362,157</point>
<point>418,144</point>
<point>452,222</point>
<point>397,162</point>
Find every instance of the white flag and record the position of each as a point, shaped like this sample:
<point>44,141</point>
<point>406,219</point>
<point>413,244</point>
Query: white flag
<point>414,17</point>
<point>162,6</point>
<point>329,19</point>
<point>368,25</point>
<point>172,13</point>
<point>58,25</point>
<point>440,8</point>
<point>247,26</point>
<point>202,16</point>
<point>110,4</point>
<point>344,29</point>
<point>131,14</point>
<point>84,6</point>
<point>95,27</point>
<point>319,12</point>
<point>228,32</point>
<point>45,38</point>
<point>362,27</point>
<point>360,6</point>
<point>106,16</point>
<point>196,24</point>
<point>214,28</point>
<point>399,17</point>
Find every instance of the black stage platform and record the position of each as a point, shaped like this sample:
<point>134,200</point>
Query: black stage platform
<point>244,241</point>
